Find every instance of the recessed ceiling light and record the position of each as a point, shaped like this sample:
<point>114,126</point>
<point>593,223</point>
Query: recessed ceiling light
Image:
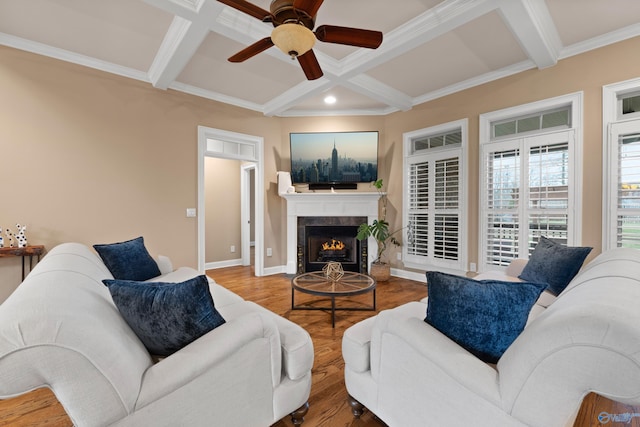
<point>330,99</point>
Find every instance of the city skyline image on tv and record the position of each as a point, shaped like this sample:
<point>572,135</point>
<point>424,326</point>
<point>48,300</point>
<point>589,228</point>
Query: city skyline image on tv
<point>334,157</point>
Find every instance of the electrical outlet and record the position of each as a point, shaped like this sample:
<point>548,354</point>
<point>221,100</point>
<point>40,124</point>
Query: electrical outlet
<point>399,256</point>
<point>472,266</point>
<point>233,248</point>
<point>269,252</point>
<point>191,212</point>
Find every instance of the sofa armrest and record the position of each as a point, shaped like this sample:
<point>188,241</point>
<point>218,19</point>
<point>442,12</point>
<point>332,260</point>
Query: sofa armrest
<point>516,266</point>
<point>206,352</point>
<point>356,345</point>
<point>296,344</point>
<point>430,347</point>
<point>164,264</point>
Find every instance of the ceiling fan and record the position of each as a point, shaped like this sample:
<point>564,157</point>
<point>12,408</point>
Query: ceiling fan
<point>293,22</point>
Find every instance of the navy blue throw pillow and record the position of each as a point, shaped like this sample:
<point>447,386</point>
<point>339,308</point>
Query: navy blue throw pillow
<point>166,316</point>
<point>482,316</point>
<point>554,264</point>
<point>128,260</point>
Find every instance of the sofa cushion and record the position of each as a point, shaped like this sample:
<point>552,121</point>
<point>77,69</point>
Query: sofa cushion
<point>554,264</point>
<point>128,260</point>
<point>483,316</point>
<point>166,316</point>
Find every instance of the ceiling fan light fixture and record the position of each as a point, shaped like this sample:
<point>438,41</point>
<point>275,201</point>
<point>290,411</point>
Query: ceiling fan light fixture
<point>293,39</point>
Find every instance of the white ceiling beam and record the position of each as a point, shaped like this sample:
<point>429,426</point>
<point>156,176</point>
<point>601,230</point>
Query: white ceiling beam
<point>178,47</point>
<point>295,95</point>
<point>187,9</point>
<point>378,91</point>
<point>188,30</point>
<point>532,25</point>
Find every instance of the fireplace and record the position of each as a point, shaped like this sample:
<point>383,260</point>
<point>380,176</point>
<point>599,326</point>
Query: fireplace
<point>325,239</point>
<point>348,204</point>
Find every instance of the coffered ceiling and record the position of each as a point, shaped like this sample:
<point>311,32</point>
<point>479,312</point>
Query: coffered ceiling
<point>431,48</point>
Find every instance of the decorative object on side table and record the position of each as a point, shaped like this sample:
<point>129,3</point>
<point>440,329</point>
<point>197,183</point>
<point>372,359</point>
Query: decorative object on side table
<point>21,236</point>
<point>379,230</point>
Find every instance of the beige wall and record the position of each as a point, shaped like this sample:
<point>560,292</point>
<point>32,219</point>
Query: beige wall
<point>91,157</point>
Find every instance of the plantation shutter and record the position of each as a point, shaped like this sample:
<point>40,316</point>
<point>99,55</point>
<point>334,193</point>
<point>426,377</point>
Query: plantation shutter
<point>548,192</point>
<point>503,206</point>
<point>446,209</point>
<point>527,194</point>
<point>418,242</point>
<point>434,209</point>
<point>627,183</point>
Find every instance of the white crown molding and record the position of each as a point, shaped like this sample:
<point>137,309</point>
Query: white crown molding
<point>74,58</point>
<point>215,96</point>
<point>601,41</point>
<point>475,81</point>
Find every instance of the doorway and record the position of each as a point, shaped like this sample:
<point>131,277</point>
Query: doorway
<point>249,149</point>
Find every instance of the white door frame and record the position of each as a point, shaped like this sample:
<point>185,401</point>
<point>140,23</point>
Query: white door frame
<point>236,146</point>
<point>245,211</point>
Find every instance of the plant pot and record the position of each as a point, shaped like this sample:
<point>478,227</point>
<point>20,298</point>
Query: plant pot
<point>380,271</point>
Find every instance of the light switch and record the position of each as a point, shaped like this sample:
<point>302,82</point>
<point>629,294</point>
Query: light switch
<point>191,212</point>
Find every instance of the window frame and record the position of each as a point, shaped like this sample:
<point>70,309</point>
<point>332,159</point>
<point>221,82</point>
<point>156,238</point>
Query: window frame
<point>612,115</point>
<point>574,229</point>
<point>432,155</point>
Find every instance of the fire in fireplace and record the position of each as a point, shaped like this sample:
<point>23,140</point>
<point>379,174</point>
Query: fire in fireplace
<point>333,250</point>
<point>325,239</point>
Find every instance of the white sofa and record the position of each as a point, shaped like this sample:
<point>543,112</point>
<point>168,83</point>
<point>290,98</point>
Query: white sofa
<point>60,329</point>
<point>409,374</point>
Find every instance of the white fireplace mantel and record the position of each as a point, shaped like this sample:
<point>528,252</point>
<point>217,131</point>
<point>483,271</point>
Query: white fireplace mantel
<point>326,205</point>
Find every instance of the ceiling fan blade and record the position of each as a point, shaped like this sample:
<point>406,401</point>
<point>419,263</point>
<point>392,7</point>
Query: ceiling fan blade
<point>252,50</point>
<point>310,7</point>
<point>248,8</point>
<point>310,65</point>
<point>350,36</point>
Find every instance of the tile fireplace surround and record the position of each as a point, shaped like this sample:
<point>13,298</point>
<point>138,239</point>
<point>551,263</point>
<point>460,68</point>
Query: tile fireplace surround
<point>326,204</point>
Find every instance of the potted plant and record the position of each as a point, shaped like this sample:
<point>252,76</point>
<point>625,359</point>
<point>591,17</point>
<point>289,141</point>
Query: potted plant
<point>379,230</point>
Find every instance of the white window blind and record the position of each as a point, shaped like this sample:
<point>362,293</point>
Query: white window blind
<point>434,209</point>
<point>418,241</point>
<point>527,195</point>
<point>503,207</point>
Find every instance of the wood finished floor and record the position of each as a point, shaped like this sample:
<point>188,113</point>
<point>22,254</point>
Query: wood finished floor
<point>328,400</point>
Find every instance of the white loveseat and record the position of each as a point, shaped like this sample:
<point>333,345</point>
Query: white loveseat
<point>588,339</point>
<point>60,329</point>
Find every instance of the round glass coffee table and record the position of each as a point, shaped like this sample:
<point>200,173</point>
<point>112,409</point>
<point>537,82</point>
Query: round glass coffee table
<point>317,283</point>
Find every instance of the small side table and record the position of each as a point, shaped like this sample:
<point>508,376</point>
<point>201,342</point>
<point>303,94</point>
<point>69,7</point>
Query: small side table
<point>27,251</point>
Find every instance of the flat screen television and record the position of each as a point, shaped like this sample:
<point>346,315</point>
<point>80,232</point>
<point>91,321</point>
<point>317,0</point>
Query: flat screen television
<point>334,159</point>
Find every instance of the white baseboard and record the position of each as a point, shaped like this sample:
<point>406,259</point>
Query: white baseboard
<point>270,271</point>
<point>410,275</point>
<point>222,264</point>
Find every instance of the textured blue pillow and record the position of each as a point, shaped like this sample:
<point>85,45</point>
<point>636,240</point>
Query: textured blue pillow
<point>166,316</point>
<point>554,264</point>
<point>483,316</point>
<point>128,260</point>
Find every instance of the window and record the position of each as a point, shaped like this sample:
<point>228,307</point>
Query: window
<point>545,120</point>
<point>529,181</point>
<point>629,105</point>
<point>621,121</point>
<point>435,198</point>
